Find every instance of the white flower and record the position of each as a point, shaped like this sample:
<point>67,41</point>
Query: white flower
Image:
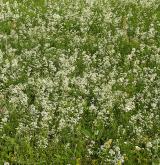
<point>130,105</point>
<point>6,163</point>
<point>111,152</point>
<point>137,148</point>
<point>149,145</point>
<point>5,119</point>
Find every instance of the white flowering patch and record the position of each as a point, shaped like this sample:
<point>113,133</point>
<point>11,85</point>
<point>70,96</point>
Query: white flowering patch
<point>80,82</point>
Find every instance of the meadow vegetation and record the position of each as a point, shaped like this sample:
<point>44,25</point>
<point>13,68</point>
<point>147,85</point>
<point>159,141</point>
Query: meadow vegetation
<point>80,82</point>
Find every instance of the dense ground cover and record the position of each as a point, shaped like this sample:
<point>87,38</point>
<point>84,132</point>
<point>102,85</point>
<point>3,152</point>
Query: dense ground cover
<point>79,82</point>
